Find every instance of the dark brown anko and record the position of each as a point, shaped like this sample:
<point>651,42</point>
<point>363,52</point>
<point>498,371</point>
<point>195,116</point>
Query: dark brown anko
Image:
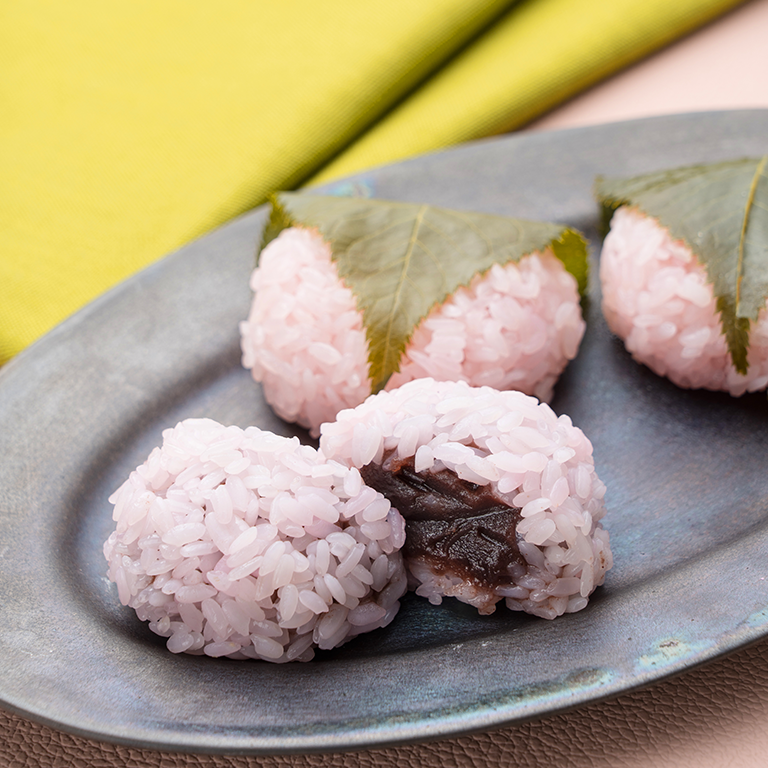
<point>456,526</point>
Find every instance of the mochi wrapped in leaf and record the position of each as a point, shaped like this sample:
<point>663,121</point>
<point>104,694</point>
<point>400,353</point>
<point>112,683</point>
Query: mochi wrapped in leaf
<point>684,272</point>
<point>352,296</point>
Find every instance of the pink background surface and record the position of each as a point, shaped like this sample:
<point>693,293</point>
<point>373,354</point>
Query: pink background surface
<point>712,717</point>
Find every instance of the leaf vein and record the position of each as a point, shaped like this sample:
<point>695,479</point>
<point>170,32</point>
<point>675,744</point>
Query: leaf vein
<point>403,275</point>
<point>743,235</point>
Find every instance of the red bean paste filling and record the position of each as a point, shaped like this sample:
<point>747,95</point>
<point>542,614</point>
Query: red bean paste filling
<point>457,527</point>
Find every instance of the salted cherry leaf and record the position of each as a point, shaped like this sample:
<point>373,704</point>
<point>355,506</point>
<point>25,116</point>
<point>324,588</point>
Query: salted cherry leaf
<point>401,259</point>
<point>721,212</point>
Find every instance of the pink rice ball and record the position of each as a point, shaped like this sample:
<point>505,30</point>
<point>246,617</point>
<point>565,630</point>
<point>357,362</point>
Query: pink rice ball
<point>657,298</point>
<point>445,444</point>
<point>244,544</point>
<point>514,327</point>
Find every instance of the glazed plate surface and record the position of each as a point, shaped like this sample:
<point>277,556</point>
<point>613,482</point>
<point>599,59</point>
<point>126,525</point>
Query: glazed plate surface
<point>687,496</point>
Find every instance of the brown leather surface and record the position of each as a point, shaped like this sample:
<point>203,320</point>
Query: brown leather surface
<point>710,717</point>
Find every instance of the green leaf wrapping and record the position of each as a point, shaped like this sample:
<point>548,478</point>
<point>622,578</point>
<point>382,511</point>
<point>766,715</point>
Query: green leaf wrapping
<point>721,212</point>
<point>400,259</point>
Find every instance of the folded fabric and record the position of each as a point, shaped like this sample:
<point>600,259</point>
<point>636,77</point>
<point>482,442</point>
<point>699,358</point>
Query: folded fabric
<point>539,54</point>
<point>129,129</point>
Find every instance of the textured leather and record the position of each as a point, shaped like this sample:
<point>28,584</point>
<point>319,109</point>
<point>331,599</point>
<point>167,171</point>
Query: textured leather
<point>710,717</point>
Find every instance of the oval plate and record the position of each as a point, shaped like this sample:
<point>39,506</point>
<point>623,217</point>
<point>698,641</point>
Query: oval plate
<point>687,496</point>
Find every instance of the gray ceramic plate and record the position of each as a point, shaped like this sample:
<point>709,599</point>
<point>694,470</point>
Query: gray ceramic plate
<point>688,497</point>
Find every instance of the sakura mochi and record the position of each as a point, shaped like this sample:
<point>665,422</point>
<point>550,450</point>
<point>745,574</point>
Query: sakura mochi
<point>347,303</point>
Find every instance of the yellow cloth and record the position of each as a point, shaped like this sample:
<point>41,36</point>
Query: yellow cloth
<point>127,129</point>
<point>538,55</point>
